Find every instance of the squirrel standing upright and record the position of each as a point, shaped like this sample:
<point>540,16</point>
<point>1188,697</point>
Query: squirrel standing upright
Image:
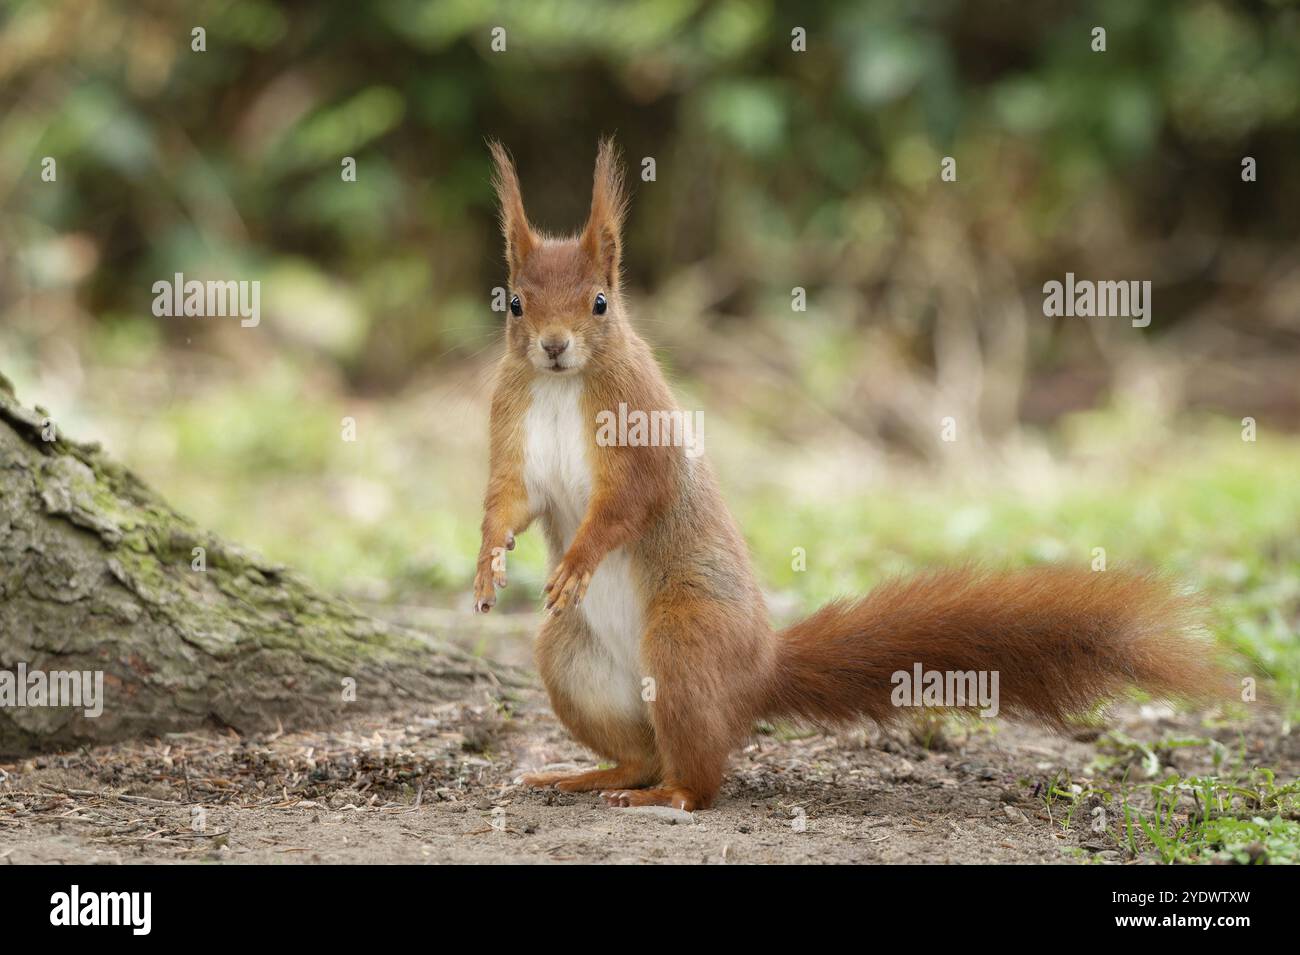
<point>658,653</point>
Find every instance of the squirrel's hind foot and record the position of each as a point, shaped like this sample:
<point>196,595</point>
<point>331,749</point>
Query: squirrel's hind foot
<point>616,777</point>
<point>675,797</point>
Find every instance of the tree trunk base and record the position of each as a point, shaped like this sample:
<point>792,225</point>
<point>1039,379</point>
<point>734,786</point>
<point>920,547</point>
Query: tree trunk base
<point>99,576</point>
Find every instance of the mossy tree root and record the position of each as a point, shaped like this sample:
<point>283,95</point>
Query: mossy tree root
<point>99,574</point>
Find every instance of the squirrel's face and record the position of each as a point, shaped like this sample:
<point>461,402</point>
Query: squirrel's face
<point>564,293</point>
<point>563,311</point>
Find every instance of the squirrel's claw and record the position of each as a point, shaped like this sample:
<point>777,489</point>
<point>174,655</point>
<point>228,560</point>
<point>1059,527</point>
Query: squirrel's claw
<point>485,597</point>
<point>566,588</point>
<point>491,575</point>
<point>485,583</point>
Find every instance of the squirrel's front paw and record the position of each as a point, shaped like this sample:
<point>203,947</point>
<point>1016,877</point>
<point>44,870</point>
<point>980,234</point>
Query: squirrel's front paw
<point>568,584</point>
<point>491,575</point>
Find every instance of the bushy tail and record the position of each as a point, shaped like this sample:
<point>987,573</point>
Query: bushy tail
<point>1061,640</point>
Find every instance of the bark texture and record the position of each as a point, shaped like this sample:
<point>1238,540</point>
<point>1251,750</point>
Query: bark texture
<point>97,573</point>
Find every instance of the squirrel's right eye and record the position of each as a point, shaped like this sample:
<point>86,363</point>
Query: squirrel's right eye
<point>516,309</point>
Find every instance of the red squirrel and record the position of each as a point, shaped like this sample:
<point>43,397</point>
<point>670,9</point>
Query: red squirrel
<point>657,652</point>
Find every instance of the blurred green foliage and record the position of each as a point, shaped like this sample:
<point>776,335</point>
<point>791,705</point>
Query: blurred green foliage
<point>775,168</point>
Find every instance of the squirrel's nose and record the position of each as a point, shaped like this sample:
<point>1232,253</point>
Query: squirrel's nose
<point>554,347</point>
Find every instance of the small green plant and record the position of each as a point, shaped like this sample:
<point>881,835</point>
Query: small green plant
<point>1062,792</point>
<point>1222,825</point>
<point>1255,841</point>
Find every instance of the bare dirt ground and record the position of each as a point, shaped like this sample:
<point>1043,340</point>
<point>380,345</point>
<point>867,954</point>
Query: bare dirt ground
<point>437,785</point>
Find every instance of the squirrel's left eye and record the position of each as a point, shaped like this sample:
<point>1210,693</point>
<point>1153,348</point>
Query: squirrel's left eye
<point>601,304</point>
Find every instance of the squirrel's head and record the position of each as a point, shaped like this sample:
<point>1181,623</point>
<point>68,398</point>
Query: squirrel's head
<point>564,300</point>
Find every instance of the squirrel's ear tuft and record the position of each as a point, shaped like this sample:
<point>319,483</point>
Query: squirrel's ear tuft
<point>602,236</point>
<point>519,235</point>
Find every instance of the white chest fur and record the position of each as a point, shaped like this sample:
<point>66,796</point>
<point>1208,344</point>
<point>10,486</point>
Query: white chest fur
<point>559,479</point>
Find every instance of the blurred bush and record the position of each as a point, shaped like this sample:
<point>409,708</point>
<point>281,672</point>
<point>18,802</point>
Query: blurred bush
<point>775,169</point>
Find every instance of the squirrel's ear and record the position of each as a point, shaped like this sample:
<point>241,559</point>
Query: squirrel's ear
<point>519,235</point>
<point>602,237</point>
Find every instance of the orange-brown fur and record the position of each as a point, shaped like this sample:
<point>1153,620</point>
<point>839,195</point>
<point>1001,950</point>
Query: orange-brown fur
<point>1062,639</point>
